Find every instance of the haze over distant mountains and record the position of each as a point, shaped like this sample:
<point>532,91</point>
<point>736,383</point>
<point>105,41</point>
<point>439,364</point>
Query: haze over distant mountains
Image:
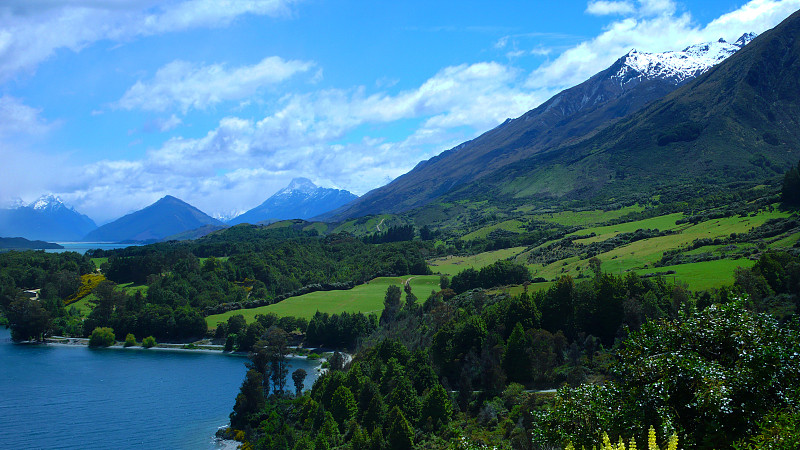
<point>301,199</point>
<point>166,217</point>
<point>48,218</point>
<point>712,113</point>
<point>568,118</point>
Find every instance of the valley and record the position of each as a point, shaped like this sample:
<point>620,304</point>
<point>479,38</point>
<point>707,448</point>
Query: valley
<point>620,263</point>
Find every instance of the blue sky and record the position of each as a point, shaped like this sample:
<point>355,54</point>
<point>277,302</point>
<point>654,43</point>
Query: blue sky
<point>114,104</point>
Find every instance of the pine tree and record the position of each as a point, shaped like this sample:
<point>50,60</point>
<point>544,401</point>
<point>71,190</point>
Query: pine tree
<point>516,359</point>
<point>401,435</point>
<point>436,406</point>
<point>343,405</point>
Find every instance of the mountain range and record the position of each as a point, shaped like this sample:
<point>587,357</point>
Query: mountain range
<point>301,199</point>
<point>570,118</point>
<point>711,113</point>
<point>48,218</point>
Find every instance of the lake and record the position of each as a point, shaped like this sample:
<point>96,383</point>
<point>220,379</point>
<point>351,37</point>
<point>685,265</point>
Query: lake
<point>73,397</point>
<point>82,247</point>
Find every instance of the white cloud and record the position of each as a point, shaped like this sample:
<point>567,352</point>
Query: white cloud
<point>241,162</point>
<point>187,86</point>
<point>18,119</point>
<point>656,7</point>
<point>602,7</point>
<point>657,28</point>
<point>32,30</point>
<point>339,135</point>
<point>755,16</point>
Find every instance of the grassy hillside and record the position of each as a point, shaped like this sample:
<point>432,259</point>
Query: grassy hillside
<point>366,298</point>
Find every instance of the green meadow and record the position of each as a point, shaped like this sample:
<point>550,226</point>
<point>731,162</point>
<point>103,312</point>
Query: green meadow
<point>451,265</point>
<point>366,298</point>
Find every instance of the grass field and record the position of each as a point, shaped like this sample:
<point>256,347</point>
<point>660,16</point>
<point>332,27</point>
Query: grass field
<point>704,275</point>
<point>131,288</point>
<point>662,223</point>
<point>98,261</point>
<point>451,265</point>
<point>641,255</point>
<point>366,298</point>
<point>84,308</point>
<point>585,218</point>
<point>513,225</point>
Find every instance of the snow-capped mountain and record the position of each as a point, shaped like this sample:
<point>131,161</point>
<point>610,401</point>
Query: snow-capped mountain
<point>301,199</point>
<point>227,216</point>
<point>678,66</point>
<point>49,202</point>
<point>569,117</point>
<point>47,218</point>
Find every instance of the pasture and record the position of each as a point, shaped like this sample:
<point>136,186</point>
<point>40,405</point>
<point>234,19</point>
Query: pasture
<point>366,298</point>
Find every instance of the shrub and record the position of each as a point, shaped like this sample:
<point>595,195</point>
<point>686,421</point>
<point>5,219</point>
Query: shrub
<point>148,342</point>
<point>130,340</point>
<point>88,283</point>
<point>102,337</point>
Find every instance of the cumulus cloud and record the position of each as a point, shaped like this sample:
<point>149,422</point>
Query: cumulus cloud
<point>18,119</point>
<point>187,86</point>
<point>33,30</point>
<point>655,27</point>
<point>239,163</point>
<point>603,8</point>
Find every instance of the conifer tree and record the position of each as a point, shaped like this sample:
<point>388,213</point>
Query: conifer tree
<point>516,359</point>
<point>401,436</point>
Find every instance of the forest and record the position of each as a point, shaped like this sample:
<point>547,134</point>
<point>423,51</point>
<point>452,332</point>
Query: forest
<point>561,363</point>
<point>715,369</point>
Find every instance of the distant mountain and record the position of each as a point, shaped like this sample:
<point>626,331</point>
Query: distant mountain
<point>163,218</point>
<point>196,233</point>
<point>48,218</point>
<point>19,243</point>
<point>569,117</point>
<point>302,199</point>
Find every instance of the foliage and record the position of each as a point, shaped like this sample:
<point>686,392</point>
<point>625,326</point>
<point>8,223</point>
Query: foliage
<point>130,340</point>
<point>28,319</point>
<point>790,192</point>
<point>652,443</point>
<point>298,377</point>
<point>102,337</point>
<point>500,273</point>
<point>714,375</point>
<point>88,283</point>
<point>338,330</point>
<point>149,342</point>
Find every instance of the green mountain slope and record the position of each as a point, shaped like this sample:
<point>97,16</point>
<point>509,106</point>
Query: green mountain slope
<point>738,122</point>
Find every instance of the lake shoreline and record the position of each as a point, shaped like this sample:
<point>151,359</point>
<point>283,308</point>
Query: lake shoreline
<point>170,347</point>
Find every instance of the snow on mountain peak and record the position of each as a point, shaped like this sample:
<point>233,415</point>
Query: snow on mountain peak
<point>678,66</point>
<point>303,185</point>
<point>48,201</point>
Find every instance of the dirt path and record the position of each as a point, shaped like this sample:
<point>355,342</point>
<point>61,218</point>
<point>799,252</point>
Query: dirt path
<point>378,226</point>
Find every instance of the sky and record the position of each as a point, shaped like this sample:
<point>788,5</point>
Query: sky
<point>113,104</point>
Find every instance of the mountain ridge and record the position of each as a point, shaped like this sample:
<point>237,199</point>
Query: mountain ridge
<point>567,118</point>
<point>166,217</point>
<point>47,218</point>
<point>301,199</point>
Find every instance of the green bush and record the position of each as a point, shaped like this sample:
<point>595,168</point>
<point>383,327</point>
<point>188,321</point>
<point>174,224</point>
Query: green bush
<point>102,337</point>
<point>148,342</point>
<point>130,340</point>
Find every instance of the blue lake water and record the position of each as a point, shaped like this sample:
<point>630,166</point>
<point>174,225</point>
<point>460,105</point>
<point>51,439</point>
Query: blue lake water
<point>71,397</point>
<point>82,247</point>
